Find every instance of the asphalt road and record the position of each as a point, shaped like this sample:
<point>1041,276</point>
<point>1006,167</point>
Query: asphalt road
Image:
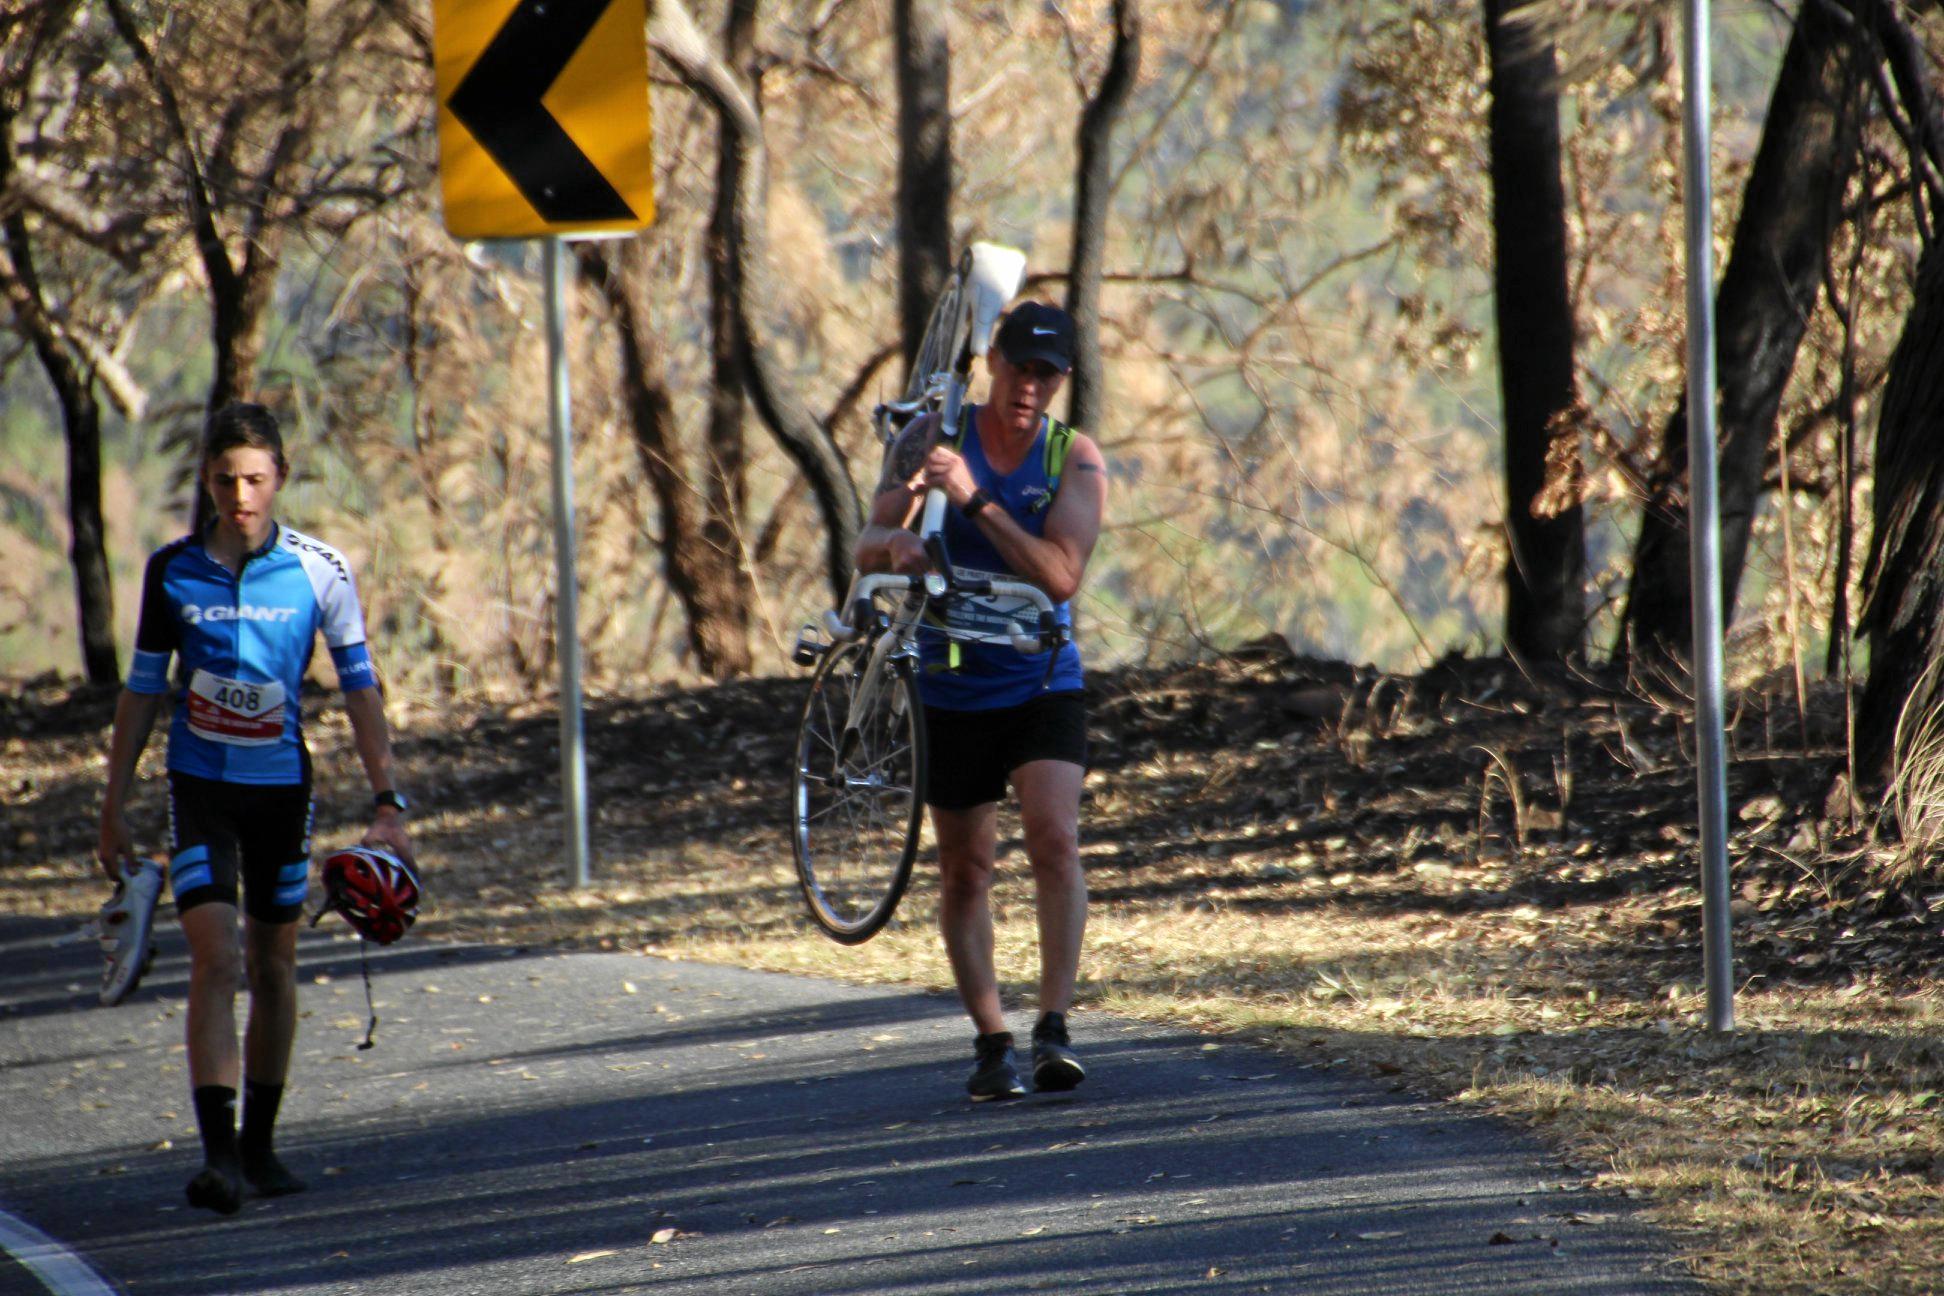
<point>548,1123</point>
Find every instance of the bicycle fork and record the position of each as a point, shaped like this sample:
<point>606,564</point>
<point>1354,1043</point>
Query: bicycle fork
<point>884,650</point>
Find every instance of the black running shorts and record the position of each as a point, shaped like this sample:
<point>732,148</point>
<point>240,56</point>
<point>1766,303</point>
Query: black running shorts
<point>222,835</point>
<point>972,754</point>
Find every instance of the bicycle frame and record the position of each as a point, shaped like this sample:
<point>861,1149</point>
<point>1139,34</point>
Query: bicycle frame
<point>897,636</point>
<point>987,278</point>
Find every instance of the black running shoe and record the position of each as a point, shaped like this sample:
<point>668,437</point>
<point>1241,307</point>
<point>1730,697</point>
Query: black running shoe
<point>270,1176</point>
<point>1055,1068</point>
<point>996,1075</point>
<point>218,1188</point>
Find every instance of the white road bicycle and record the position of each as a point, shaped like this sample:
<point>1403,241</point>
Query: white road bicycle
<point>857,792</point>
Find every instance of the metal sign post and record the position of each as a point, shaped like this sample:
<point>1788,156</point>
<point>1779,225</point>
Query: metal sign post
<point>544,131</point>
<point>1704,523</point>
<point>573,735</point>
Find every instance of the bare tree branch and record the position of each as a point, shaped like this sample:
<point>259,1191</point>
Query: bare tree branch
<point>808,443</point>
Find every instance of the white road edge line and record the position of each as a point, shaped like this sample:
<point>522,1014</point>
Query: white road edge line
<point>60,1270</point>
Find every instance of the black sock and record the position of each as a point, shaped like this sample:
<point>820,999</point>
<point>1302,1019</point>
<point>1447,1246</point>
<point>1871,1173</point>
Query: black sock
<point>260,1103</point>
<point>216,1119</point>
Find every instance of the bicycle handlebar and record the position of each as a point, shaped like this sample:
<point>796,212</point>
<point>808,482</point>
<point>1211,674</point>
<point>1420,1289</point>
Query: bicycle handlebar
<point>865,589</point>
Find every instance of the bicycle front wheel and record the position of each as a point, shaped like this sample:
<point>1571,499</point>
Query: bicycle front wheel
<point>857,796</point>
<point>948,330</point>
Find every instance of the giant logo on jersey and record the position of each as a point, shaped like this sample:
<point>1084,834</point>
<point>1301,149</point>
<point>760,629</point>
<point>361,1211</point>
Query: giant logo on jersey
<point>196,615</point>
<point>305,544</point>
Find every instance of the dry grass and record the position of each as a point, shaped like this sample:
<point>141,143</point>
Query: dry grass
<point>1350,889</point>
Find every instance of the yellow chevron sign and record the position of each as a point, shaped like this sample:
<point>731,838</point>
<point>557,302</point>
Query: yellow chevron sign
<point>543,116</point>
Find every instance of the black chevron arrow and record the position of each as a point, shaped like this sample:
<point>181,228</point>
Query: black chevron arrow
<point>498,100</point>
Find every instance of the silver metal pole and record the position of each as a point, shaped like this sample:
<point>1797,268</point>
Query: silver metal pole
<point>573,737</point>
<point>1704,523</point>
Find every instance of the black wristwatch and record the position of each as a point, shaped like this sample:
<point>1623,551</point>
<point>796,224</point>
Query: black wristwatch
<point>980,498</point>
<point>395,800</point>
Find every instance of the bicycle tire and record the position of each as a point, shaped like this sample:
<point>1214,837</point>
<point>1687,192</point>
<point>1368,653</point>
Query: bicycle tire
<point>947,338</point>
<point>857,807</point>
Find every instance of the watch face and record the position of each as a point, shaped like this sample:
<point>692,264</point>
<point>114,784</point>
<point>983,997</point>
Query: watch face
<point>396,800</point>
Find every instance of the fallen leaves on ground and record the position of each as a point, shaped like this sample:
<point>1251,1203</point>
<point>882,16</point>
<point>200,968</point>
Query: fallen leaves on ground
<point>1467,882</point>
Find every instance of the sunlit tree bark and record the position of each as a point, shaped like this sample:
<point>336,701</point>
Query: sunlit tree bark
<point>64,362</point>
<point>727,502</point>
<point>924,57</point>
<point>702,575</point>
<point>1094,191</point>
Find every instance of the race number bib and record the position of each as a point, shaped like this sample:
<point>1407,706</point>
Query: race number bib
<point>238,712</point>
<point>989,618</point>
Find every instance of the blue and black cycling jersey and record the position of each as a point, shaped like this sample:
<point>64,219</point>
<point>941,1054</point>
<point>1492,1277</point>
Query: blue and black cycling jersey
<point>245,641</point>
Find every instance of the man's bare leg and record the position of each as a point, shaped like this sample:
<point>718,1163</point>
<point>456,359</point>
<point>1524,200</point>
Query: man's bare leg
<point>1049,809</point>
<point>272,963</point>
<point>215,974</point>
<point>271,958</point>
<point>1049,804</point>
<point>966,840</point>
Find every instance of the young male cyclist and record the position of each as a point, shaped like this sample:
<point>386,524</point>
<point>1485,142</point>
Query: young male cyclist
<point>1026,498</point>
<point>241,604</point>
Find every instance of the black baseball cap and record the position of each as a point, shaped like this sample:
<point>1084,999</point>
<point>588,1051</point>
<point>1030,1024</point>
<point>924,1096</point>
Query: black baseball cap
<point>1037,331</point>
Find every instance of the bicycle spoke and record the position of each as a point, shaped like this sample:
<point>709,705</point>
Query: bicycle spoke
<point>870,767</point>
<point>856,803</point>
<point>856,799</point>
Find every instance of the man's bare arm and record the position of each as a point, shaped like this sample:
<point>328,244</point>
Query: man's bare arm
<point>886,543</point>
<point>1057,561</point>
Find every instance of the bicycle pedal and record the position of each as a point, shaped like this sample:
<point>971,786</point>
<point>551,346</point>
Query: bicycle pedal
<point>809,649</point>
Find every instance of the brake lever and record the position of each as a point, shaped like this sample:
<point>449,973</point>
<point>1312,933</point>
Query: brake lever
<point>941,561</point>
<point>1050,627</point>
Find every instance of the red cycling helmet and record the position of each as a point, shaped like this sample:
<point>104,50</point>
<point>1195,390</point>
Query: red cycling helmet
<point>377,892</point>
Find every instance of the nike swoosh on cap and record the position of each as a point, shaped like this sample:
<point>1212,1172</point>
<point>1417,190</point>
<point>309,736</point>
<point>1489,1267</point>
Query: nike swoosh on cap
<point>1045,332</point>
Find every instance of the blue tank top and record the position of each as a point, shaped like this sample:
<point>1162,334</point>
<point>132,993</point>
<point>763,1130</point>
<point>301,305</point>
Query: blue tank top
<point>994,675</point>
<point>245,642</point>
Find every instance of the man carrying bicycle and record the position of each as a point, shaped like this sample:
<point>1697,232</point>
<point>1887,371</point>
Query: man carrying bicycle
<point>1027,495</point>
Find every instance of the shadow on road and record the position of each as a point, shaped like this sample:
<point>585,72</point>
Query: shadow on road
<point>783,1136</point>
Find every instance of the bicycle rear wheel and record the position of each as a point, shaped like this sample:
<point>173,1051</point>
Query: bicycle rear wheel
<point>857,795</point>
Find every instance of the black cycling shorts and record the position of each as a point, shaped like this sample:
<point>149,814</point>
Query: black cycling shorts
<point>972,754</point>
<point>225,834</point>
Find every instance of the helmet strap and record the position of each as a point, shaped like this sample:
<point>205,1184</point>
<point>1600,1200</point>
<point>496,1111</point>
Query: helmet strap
<point>364,966</point>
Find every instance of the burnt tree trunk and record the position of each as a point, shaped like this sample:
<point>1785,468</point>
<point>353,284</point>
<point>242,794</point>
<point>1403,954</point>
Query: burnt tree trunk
<point>924,56</point>
<point>1789,214</point>
<point>727,500</point>
<point>1094,194</point>
<point>800,435</point>
<point>1545,570</point>
<point>703,576</point>
<point>73,381</point>
<point>1903,610</point>
<point>94,592</point>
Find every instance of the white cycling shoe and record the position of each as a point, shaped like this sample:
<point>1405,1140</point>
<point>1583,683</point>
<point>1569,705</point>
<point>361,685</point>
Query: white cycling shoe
<point>128,931</point>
